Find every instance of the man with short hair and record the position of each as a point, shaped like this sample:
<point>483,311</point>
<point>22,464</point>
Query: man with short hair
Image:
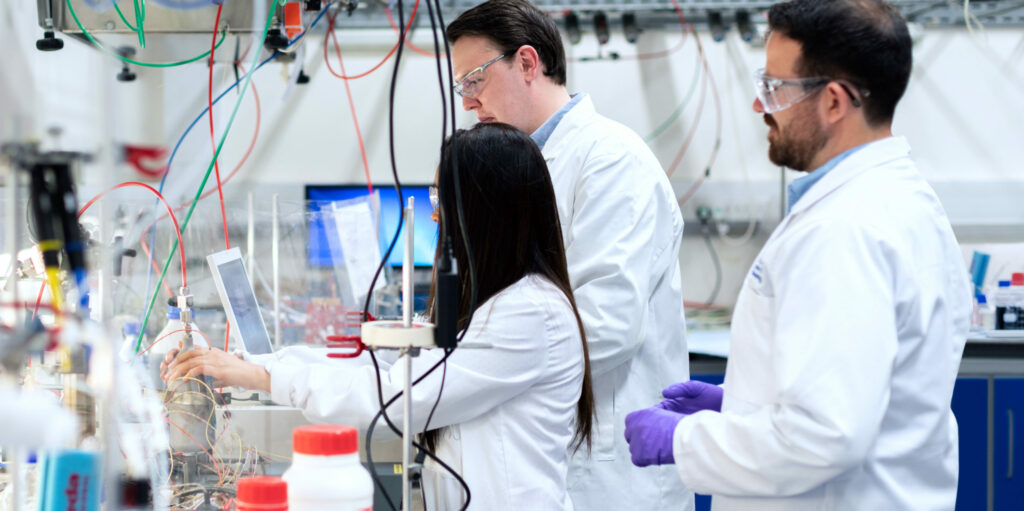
<point>622,230</point>
<point>849,328</point>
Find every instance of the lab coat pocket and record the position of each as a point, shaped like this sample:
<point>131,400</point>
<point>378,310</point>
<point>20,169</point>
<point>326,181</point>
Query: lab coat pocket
<point>604,397</point>
<point>751,340</point>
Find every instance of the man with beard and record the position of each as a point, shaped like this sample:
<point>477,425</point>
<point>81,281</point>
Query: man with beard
<point>849,328</point>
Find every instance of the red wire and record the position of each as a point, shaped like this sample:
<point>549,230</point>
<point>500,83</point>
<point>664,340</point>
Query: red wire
<point>26,305</point>
<point>168,334</point>
<point>355,119</point>
<point>408,42</point>
<point>718,109</point>
<point>170,211</point>
<point>152,261</point>
<point>213,142</point>
<point>693,130</point>
<point>220,474</point>
<point>39,299</point>
<point>245,157</point>
<point>330,32</point>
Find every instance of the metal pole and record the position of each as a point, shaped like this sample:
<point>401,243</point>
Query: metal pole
<point>407,430</point>
<point>13,232</point>
<point>276,258</point>
<point>250,242</point>
<point>407,266</point>
<point>407,263</point>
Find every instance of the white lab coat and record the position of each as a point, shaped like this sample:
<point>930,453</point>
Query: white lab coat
<point>508,410</point>
<point>846,341</point>
<point>622,230</point>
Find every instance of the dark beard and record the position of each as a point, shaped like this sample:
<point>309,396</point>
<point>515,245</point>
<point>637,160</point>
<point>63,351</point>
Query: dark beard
<point>797,146</point>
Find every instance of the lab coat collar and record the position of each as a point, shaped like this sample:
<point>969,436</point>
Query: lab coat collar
<point>874,154</point>
<point>579,115</point>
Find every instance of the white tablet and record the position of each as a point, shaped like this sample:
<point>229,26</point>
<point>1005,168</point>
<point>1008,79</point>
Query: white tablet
<point>239,301</point>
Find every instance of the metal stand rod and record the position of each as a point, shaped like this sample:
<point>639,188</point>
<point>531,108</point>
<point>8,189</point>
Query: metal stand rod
<point>407,429</point>
<point>407,264</point>
<point>276,258</point>
<point>250,240</point>
<point>13,229</point>
<point>407,292</point>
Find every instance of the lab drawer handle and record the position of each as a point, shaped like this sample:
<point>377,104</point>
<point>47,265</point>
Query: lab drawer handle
<point>1009,443</point>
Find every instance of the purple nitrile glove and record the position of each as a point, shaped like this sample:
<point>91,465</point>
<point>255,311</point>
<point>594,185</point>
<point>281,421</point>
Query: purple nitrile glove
<point>691,397</point>
<point>649,434</point>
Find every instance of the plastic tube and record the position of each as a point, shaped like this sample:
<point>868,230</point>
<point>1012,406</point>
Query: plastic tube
<point>170,211</point>
<point>74,16</point>
<point>330,32</point>
<point>352,107</point>
<point>679,109</point>
<point>209,170</point>
<point>53,280</point>
<point>216,166</point>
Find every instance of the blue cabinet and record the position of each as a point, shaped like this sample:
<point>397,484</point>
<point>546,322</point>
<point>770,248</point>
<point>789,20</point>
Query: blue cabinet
<point>703,502</point>
<point>1008,436</point>
<point>970,406</point>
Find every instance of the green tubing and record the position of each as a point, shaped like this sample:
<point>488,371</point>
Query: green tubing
<point>679,110</point>
<point>127,60</point>
<point>140,19</point>
<point>125,20</point>
<point>206,177</point>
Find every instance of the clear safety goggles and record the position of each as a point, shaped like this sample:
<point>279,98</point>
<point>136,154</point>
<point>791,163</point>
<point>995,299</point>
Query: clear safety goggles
<point>777,94</point>
<point>435,199</point>
<point>473,82</point>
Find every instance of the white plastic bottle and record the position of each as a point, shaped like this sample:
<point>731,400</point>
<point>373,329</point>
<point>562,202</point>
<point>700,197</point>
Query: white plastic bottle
<point>325,474</point>
<point>170,338</point>
<point>984,314</point>
<point>131,331</point>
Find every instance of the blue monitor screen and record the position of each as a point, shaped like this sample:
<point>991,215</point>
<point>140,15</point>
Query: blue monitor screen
<point>425,236</point>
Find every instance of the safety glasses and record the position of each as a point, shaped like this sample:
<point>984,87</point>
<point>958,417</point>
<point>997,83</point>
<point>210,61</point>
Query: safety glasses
<point>473,82</point>
<point>434,197</point>
<point>777,94</point>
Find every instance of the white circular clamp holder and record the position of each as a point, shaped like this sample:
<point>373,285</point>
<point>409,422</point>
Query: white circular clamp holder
<point>395,335</point>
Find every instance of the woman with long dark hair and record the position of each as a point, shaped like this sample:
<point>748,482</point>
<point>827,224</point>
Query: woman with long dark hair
<point>510,414</point>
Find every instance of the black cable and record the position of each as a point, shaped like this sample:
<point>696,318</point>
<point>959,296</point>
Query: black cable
<point>440,76</point>
<point>394,240</point>
<point>387,420</point>
<point>458,191</point>
<point>444,130</point>
<point>383,406</point>
<point>444,373</point>
<point>718,266</point>
<point>394,164</point>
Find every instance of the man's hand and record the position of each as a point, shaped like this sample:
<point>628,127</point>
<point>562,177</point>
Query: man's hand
<point>226,369</point>
<point>649,433</point>
<point>692,396</point>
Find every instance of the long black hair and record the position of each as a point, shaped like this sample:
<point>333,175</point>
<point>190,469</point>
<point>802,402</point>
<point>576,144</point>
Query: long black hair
<point>511,218</point>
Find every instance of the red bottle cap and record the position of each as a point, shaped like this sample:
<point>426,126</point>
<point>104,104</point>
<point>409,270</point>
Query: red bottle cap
<point>325,440</point>
<point>1018,279</point>
<point>262,494</point>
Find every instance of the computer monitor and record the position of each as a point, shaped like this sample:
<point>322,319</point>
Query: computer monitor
<point>425,231</point>
<point>239,301</point>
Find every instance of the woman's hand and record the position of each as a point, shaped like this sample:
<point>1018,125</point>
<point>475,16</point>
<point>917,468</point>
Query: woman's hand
<point>226,369</point>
